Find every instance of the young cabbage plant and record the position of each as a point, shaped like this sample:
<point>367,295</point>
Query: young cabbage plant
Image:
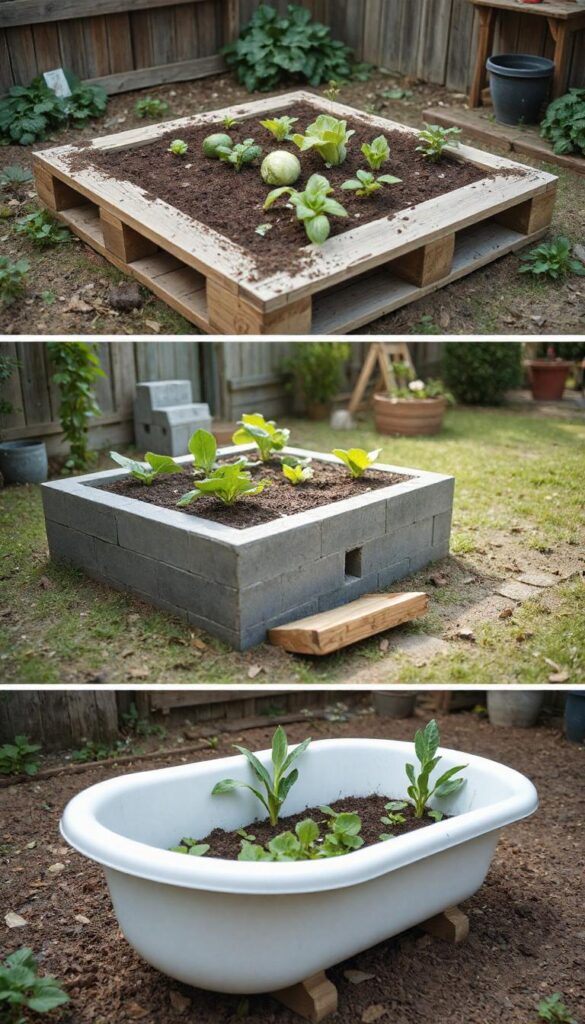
<point>357,460</point>
<point>203,447</point>
<point>268,438</point>
<point>367,184</point>
<point>276,787</point>
<point>433,140</point>
<point>156,466</point>
<point>280,127</point>
<point>420,791</point>
<point>240,154</point>
<point>376,152</point>
<point>280,168</point>
<point>178,147</point>
<point>297,471</point>
<point>227,484</point>
<point>213,143</point>
<point>328,136</point>
<point>312,207</point>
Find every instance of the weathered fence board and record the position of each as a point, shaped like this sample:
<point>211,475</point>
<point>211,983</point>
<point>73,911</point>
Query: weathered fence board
<point>58,719</point>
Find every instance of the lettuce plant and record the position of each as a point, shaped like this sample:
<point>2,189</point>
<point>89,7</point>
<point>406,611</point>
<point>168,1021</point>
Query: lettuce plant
<point>280,127</point>
<point>267,437</point>
<point>306,843</point>
<point>420,791</point>
<point>22,989</point>
<point>376,152</point>
<point>328,136</point>
<point>296,471</point>
<point>433,140</point>
<point>227,484</point>
<point>367,184</point>
<point>240,154</point>
<point>178,147</point>
<point>203,447</point>
<point>312,206</point>
<point>276,787</point>
<point>150,107</point>
<point>156,466</point>
<point>357,460</point>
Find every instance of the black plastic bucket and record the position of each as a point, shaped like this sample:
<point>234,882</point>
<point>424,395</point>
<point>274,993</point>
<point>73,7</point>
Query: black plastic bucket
<point>519,84</point>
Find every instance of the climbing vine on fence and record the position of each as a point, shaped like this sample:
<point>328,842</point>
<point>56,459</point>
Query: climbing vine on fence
<point>76,368</point>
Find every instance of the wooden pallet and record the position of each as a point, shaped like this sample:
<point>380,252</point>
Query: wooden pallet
<point>352,279</point>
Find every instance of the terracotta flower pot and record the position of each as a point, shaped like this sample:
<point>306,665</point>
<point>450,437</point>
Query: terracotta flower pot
<point>317,410</point>
<point>408,416</point>
<point>548,378</point>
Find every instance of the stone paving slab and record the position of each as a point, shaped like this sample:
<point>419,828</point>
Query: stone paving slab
<point>539,579</point>
<point>516,591</point>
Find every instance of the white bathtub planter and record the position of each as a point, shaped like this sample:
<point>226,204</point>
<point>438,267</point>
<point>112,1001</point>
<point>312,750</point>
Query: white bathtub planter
<point>218,924</point>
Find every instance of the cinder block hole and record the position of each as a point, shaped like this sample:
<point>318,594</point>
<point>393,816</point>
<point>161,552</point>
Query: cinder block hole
<point>353,563</point>
<point>164,430</point>
<point>146,428</point>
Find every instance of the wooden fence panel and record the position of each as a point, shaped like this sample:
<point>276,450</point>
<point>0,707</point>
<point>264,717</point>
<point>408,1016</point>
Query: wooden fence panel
<point>59,719</point>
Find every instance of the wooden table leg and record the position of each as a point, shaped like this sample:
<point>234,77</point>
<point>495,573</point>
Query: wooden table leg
<point>561,34</point>
<point>487,27</point>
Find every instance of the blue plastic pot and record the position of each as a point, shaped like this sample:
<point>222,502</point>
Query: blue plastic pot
<point>519,85</point>
<point>575,716</point>
<point>24,462</point>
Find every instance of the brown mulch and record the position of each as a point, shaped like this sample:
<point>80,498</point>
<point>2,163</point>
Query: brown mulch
<point>527,936</point>
<point>331,483</point>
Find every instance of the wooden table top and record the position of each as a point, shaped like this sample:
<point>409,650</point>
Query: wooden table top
<point>563,9</point>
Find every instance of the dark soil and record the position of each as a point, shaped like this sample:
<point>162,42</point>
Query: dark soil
<point>527,937</point>
<point>212,192</point>
<point>331,483</point>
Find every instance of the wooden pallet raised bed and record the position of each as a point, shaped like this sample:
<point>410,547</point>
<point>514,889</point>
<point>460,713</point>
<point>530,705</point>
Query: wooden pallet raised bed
<point>355,277</point>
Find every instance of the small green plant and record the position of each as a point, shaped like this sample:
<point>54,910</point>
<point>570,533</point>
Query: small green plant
<point>22,988</point>
<point>553,1009</point>
<point>312,207</point>
<point>8,366</point>
<point>19,757</point>
<point>42,229</point>
<point>276,787</point>
<point>357,460</point>
<point>14,177</point>
<point>344,832</point>
<point>367,184</point>
<point>178,147</point>
<point>28,113</point>
<point>332,90</point>
<point>425,325</point>
<point>553,259</point>
<point>306,843</point>
<point>227,483</point>
<point>394,817</point>
<point>280,127</point>
<point>12,279</point>
<point>420,791</point>
<point>93,751</point>
<point>433,140</point>
<point>192,847</point>
<point>203,447</point>
<point>296,471</point>
<point>157,465</point>
<point>213,143</point>
<point>268,438</point>
<point>316,369</point>
<point>240,154</point>
<point>376,152</point>
<point>229,122</point>
<point>141,726</point>
<point>76,368</point>
<point>564,123</point>
<point>327,135</point>
<point>150,107</point>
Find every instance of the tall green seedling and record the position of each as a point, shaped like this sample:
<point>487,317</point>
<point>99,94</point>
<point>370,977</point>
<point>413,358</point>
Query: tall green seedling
<point>421,790</point>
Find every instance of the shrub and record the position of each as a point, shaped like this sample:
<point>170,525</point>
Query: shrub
<point>77,368</point>
<point>564,123</point>
<point>481,372</point>
<point>552,259</point>
<point>28,113</point>
<point>42,229</point>
<point>19,757</point>
<point>316,369</point>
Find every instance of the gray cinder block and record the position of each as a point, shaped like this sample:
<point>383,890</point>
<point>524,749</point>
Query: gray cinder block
<point>156,394</point>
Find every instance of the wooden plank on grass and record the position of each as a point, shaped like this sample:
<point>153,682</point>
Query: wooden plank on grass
<point>340,627</point>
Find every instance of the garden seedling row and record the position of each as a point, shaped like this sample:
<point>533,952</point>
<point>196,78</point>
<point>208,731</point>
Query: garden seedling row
<point>358,273</point>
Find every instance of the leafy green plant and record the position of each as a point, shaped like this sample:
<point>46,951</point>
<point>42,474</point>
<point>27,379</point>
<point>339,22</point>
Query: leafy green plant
<point>94,751</point>
<point>394,817</point>
<point>240,154</point>
<point>150,107</point>
<point>28,113</point>
<point>327,135</point>
<point>553,1009</point>
<point>296,471</point>
<point>425,325</point>
<point>141,726</point>
<point>376,152</point>
<point>76,369</point>
<point>42,229</point>
<point>312,207</point>
<point>306,843</point>
<point>8,366</point>
<point>316,369</point>
<point>14,176</point>
<point>157,465</point>
<point>212,144</point>
<point>19,757</point>
<point>86,101</point>
<point>178,147</point>
<point>433,140</point>
<point>268,438</point>
<point>564,123</point>
<point>276,787</point>
<point>22,988</point>
<point>421,791</point>
<point>280,168</point>
<point>552,259</point>
<point>228,121</point>
<point>481,372</point>
<point>413,389</point>
<point>344,832</point>
<point>12,279</point>
<point>227,483</point>
<point>272,49</point>
<point>333,90</point>
<point>192,847</point>
<point>367,184</point>
<point>357,460</point>
<point>280,127</point>
<point>203,447</point>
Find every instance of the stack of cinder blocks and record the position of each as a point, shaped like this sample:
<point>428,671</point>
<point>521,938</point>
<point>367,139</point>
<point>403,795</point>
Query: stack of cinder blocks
<point>165,416</point>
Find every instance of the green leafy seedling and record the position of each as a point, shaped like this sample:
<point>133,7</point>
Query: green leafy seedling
<point>226,483</point>
<point>42,229</point>
<point>297,471</point>
<point>276,787</point>
<point>157,466</point>
<point>228,121</point>
<point>12,279</point>
<point>564,123</point>
<point>344,832</point>
<point>14,176</point>
<point>366,184</point>
<point>312,206</point>
<point>357,460</point>
<point>553,1009</point>
<point>552,259</point>
<point>150,107</point>
<point>22,989</point>
<point>192,847</point>
<point>421,791</point>
<point>328,136</point>
<point>178,147</point>
<point>280,127</point>
<point>268,438</point>
<point>203,447</point>
<point>240,154</point>
<point>394,817</point>
<point>433,140</point>
<point>376,152</point>
<point>19,757</point>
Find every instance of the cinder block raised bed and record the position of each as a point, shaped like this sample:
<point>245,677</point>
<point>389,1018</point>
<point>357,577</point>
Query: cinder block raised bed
<point>238,583</point>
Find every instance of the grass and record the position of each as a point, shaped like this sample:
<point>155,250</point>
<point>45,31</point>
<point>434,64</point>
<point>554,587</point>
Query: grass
<point>519,496</point>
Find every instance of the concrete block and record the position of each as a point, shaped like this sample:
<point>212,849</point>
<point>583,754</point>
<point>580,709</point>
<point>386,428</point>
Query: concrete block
<point>401,509</point>
<point>394,547</point>
<point>197,413</point>
<point>263,601</point>
<point>425,555</point>
<point>350,591</point>
<point>93,517</point>
<point>136,572</point>
<point>389,575</point>
<point>200,596</point>
<point>352,528</point>
<point>155,394</point>
<point>442,528</point>
<point>232,638</point>
<point>149,438</point>
<point>271,556</point>
<point>435,498</point>
<point>258,634</point>
<point>146,535</point>
<point>71,546</point>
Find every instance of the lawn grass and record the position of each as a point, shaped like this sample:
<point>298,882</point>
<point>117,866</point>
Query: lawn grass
<point>519,496</point>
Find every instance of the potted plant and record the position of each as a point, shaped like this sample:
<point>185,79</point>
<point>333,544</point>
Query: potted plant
<point>414,409</point>
<point>548,375</point>
<point>316,374</point>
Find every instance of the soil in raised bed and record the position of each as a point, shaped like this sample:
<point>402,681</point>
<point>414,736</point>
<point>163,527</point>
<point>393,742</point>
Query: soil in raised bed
<point>227,845</point>
<point>331,483</point>
<point>213,193</point>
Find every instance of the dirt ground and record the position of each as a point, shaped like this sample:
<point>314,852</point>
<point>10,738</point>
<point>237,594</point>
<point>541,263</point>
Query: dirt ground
<point>69,289</point>
<point>527,936</point>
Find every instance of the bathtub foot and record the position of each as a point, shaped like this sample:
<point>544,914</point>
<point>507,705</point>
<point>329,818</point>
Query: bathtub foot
<point>313,999</point>
<point>451,926</point>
